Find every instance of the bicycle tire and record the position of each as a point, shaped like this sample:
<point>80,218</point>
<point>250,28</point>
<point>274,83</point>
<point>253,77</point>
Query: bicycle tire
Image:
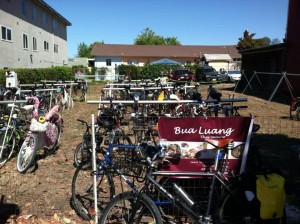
<point>9,146</point>
<point>123,139</point>
<point>118,210</point>
<point>233,212</point>
<point>27,152</point>
<point>52,148</point>
<point>82,198</point>
<point>298,114</point>
<point>82,156</point>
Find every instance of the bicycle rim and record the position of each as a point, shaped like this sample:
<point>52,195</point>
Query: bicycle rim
<point>231,211</point>
<point>119,210</point>
<point>82,192</point>
<point>298,114</point>
<point>8,146</point>
<point>82,156</point>
<point>27,153</point>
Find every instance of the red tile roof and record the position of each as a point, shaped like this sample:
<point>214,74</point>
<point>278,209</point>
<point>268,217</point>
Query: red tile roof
<point>162,50</point>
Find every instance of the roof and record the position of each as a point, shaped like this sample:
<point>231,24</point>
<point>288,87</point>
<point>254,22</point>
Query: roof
<point>163,51</point>
<point>270,48</point>
<point>214,57</point>
<point>55,13</point>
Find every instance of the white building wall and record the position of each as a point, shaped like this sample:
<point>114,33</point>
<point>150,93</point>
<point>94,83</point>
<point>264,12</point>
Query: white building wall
<point>219,65</point>
<point>100,62</point>
<point>15,56</point>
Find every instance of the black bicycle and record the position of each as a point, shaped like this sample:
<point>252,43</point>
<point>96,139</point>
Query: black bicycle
<point>226,201</point>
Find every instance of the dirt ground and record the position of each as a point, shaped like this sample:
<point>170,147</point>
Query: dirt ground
<point>43,195</point>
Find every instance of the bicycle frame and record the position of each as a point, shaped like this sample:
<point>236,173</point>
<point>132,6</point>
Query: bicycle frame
<point>216,175</point>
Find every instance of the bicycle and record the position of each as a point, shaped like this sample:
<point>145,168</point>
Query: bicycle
<point>44,131</point>
<point>232,206</point>
<point>12,133</point>
<point>120,162</point>
<point>83,151</point>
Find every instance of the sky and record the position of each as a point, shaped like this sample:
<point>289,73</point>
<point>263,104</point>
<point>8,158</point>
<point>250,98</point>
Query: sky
<point>192,22</point>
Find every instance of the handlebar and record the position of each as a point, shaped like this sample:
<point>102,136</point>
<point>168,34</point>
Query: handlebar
<point>35,99</point>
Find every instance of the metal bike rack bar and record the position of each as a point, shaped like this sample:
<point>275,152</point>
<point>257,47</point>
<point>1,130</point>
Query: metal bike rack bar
<point>228,100</point>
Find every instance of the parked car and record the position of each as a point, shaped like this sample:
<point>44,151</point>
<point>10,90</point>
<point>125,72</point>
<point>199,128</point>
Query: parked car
<point>181,74</point>
<point>233,75</point>
<point>207,74</point>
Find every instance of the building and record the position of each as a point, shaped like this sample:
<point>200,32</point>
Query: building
<point>33,35</point>
<point>280,58</point>
<point>113,55</point>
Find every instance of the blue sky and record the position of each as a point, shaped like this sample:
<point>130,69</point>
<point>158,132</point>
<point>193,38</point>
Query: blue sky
<point>193,22</point>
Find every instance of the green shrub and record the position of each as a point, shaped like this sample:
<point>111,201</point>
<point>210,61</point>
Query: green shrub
<point>36,75</point>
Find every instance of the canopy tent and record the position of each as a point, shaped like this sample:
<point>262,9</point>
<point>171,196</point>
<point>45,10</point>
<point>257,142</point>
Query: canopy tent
<point>165,61</point>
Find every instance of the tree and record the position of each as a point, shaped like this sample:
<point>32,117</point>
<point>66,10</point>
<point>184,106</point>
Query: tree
<point>83,51</point>
<point>275,41</point>
<point>148,37</point>
<point>247,41</point>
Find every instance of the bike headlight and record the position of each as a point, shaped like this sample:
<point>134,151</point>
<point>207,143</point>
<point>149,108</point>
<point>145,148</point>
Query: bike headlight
<point>6,117</point>
<point>238,151</point>
<point>42,119</point>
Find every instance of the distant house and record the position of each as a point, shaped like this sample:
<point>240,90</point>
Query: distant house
<point>113,55</point>
<point>33,35</point>
<point>220,61</point>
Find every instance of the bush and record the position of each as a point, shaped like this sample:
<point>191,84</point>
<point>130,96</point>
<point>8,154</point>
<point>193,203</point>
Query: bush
<point>36,75</point>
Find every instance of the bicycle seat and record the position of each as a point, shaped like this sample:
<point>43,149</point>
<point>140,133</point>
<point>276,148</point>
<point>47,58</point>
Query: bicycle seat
<point>27,107</point>
<point>220,143</point>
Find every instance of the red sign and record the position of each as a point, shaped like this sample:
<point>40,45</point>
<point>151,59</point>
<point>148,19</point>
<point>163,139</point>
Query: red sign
<point>199,128</point>
<point>187,137</point>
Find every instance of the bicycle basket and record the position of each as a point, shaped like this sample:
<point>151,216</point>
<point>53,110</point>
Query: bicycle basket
<point>128,162</point>
<point>36,126</point>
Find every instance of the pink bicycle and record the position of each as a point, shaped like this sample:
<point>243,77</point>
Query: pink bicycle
<point>44,131</point>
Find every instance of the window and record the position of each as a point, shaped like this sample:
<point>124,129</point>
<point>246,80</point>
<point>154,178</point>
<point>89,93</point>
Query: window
<point>6,33</point>
<point>33,13</point>
<point>25,41</point>
<point>108,62</point>
<point>55,24</point>
<point>34,44</point>
<point>45,18</point>
<point>24,7</point>
<point>46,46</point>
<point>55,48</point>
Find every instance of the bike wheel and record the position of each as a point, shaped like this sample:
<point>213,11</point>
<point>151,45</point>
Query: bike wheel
<point>52,148</point>
<point>27,153</point>
<point>298,113</point>
<point>82,191</point>
<point>234,208</point>
<point>7,146</point>
<point>123,139</point>
<point>82,155</point>
<point>120,210</point>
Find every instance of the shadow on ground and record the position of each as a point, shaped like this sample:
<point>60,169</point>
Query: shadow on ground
<point>280,152</point>
<point>7,210</point>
